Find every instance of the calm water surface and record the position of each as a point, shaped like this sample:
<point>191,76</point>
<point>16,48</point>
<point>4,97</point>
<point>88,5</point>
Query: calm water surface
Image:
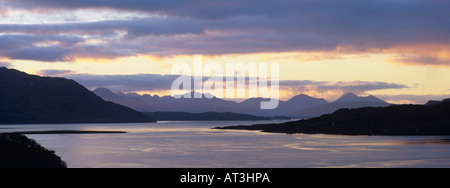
<point>195,144</point>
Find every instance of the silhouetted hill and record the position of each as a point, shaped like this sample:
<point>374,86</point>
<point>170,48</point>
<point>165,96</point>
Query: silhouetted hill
<point>26,99</point>
<point>431,103</point>
<point>305,101</point>
<point>392,120</point>
<point>207,116</point>
<point>294,104</point>
<point>351,97</point>
<point>18,151</point>
<point>348,100</point>
<point>253,106</point>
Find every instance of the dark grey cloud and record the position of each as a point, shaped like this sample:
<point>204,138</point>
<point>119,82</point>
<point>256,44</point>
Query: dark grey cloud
<point>48,54</point>
<point>324,17</point>
<point>134,27</point>
<point>23,40</point>
<point>205,9</point>
<point>149,82</point>
<point>125,83</point>
<point>37,47</point>
<point>245,26</point>
<point>71,38</point>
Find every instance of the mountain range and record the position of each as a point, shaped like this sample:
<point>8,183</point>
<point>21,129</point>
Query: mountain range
<point>300,106</point>
<point>347,101</point>
<point>430,119</point>
<point>30,99</point>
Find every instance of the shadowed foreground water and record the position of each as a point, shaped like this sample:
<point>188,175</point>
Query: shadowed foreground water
<point>195,144</point>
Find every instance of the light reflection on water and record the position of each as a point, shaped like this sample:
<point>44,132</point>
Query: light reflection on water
<point>195,144</point>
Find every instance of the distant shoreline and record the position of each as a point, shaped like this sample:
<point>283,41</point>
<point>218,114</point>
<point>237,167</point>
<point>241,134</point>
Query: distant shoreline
<point>292,128</point>
<point>209,116</point>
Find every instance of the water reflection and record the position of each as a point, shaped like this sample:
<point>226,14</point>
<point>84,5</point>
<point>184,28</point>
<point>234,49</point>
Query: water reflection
<point>196,145</point>
<point>429,141</point>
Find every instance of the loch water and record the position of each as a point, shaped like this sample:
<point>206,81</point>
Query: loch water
<point>197,145</point>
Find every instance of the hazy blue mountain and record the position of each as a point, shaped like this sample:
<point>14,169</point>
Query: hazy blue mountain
<point>301,102</point>
<point>347,101</point>
<point>351,97</point>
<point>431,103</point>
<point>294,104</point>
<point>33,99</point>
<point>253,106</point>
<point>147,103</point>
<point>298,106</point>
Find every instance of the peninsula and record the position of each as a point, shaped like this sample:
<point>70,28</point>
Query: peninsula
<point>395,120</point>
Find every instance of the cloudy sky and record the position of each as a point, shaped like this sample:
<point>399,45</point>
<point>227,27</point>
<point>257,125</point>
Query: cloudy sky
<point>396,49</point>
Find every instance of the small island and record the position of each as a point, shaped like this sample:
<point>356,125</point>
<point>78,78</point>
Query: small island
<point>396,120</point>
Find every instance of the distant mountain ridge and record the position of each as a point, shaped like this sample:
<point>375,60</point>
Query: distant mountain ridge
<point>298,106</point>
<point>347,101</point>
<point>148,103</point>
<point>431,103</point>
<point>294,104</point>
<point>30,99</point>
<point>407,120</point>
<point>351,97</point>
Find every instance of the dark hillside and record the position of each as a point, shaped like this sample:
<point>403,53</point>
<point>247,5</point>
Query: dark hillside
<point>28,99</point>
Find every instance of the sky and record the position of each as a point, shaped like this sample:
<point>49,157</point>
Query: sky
<point>398,50</point>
